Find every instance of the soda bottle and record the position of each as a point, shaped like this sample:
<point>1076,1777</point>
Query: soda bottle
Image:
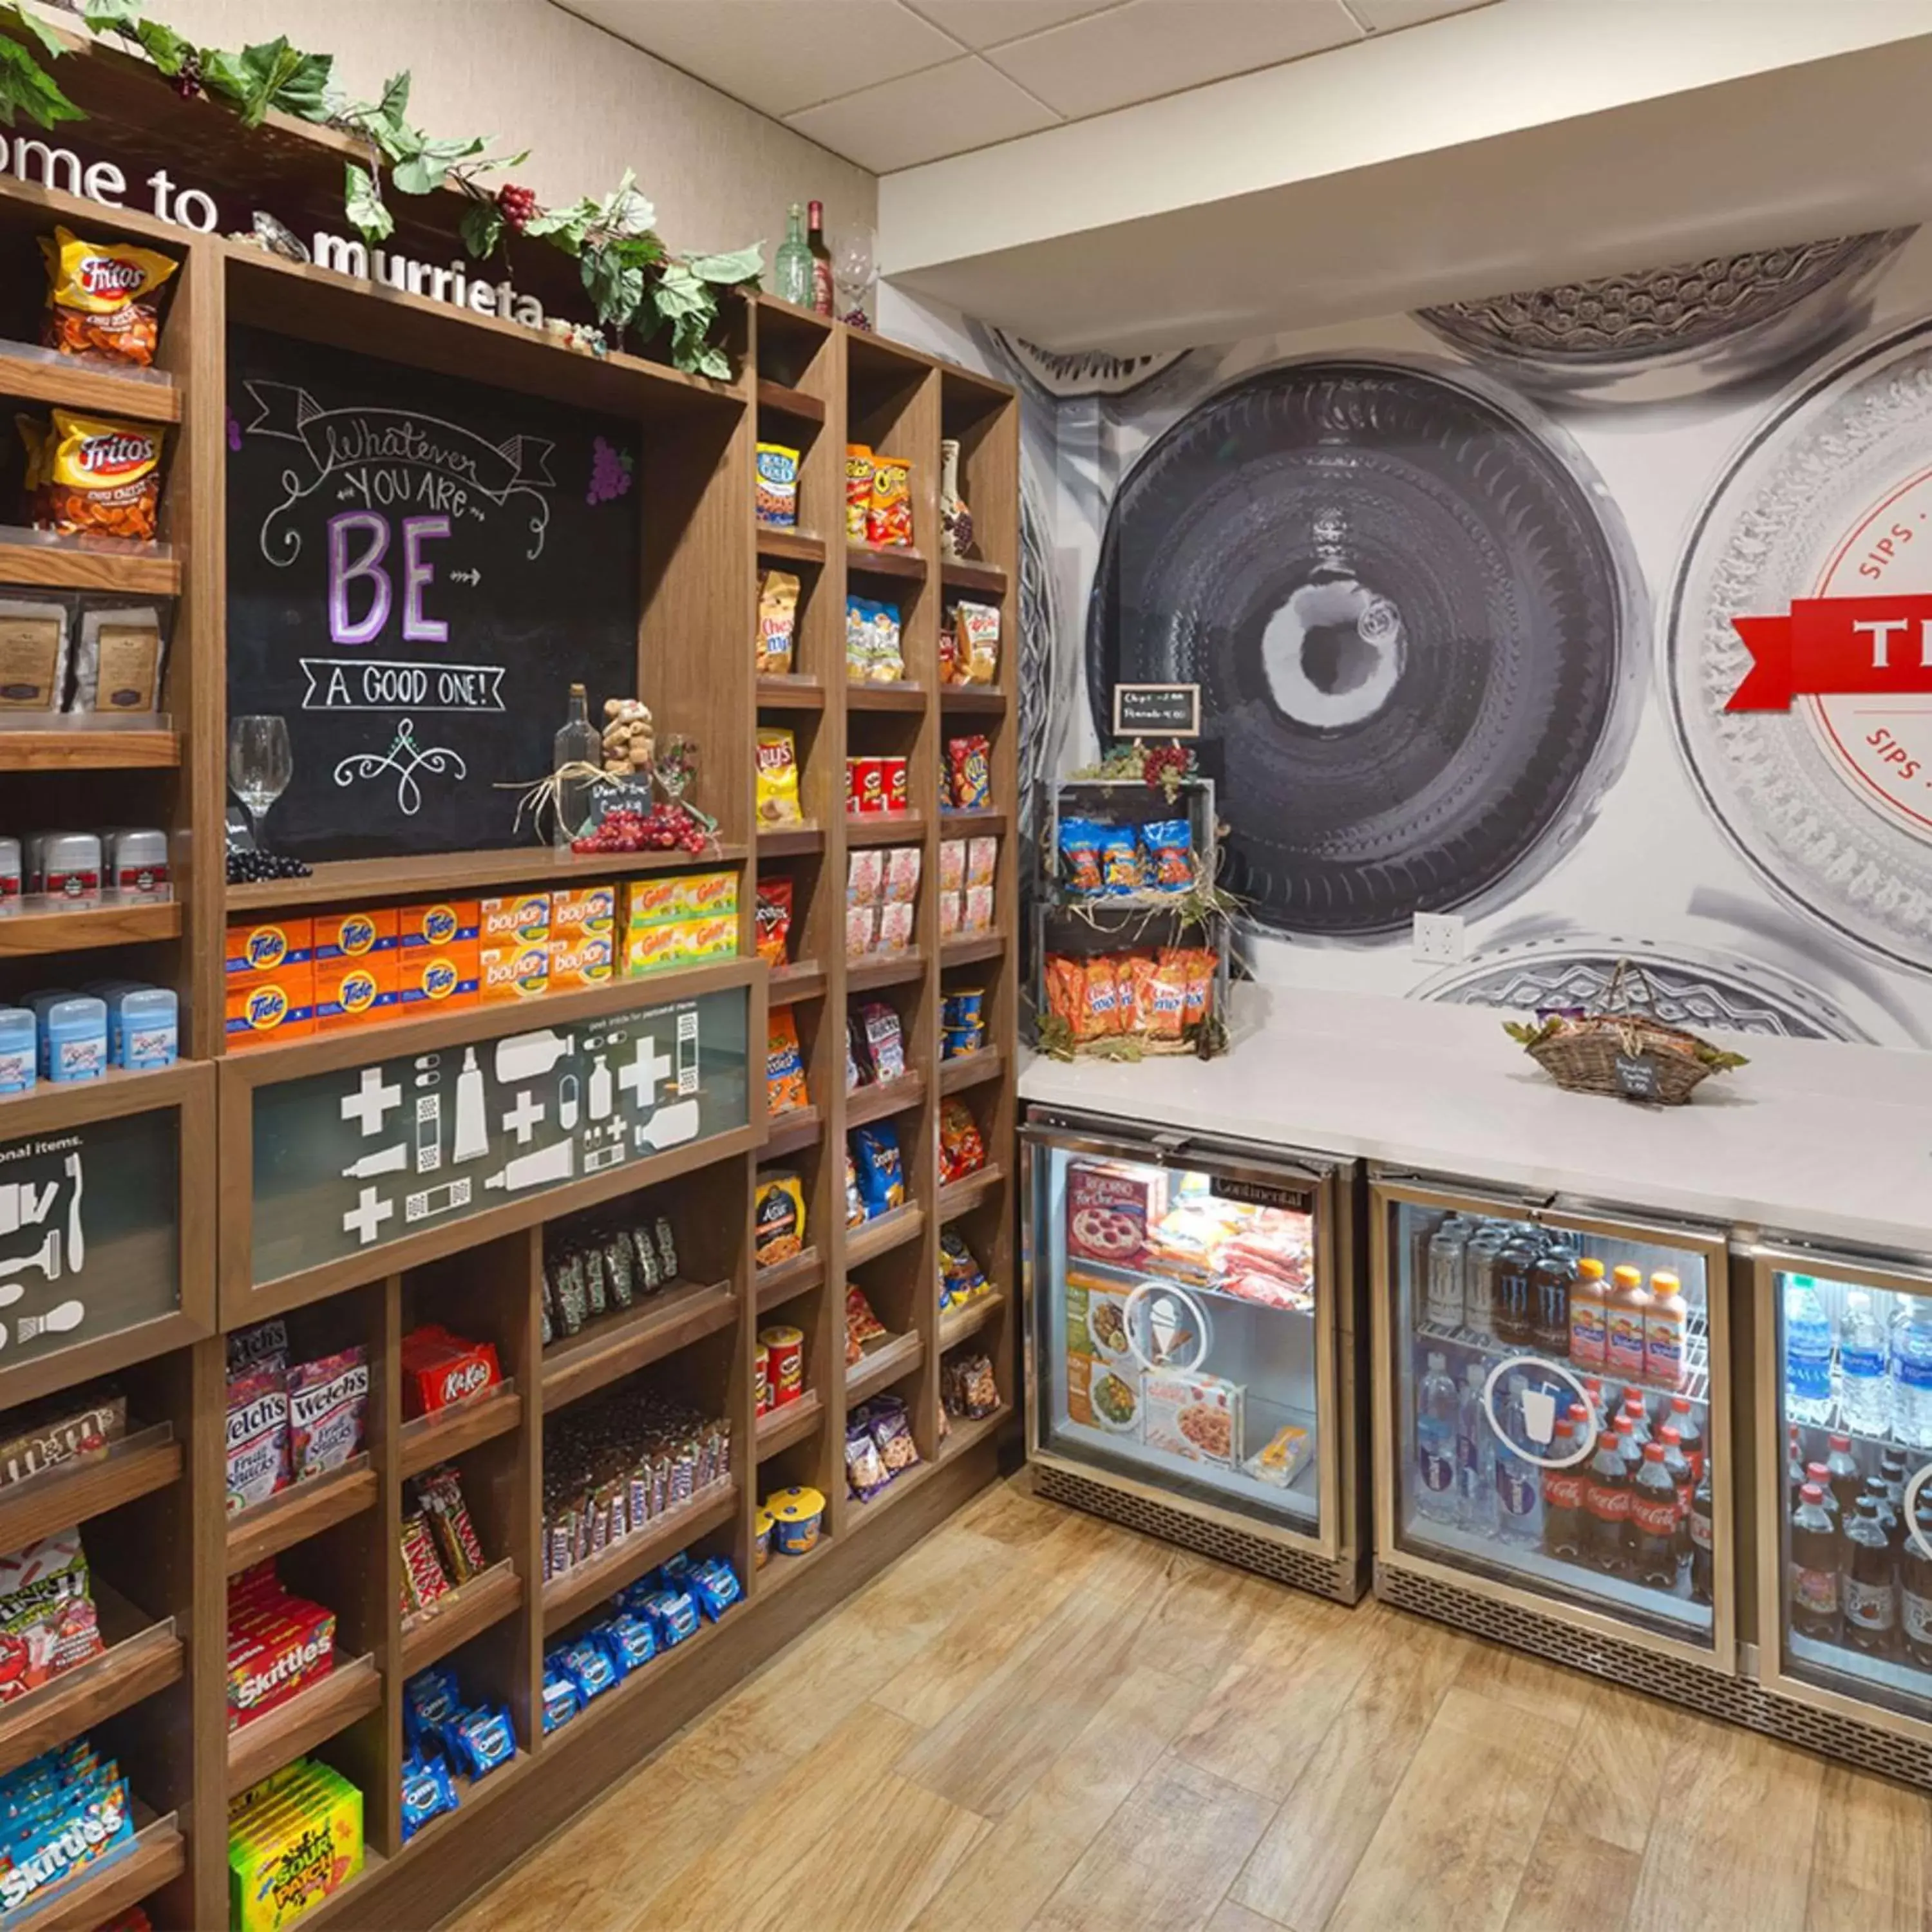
<point>1446,1254</point>
<point>1690,1433</point>
<point>1475,1457</point>
<point>1888,1516</point>
<point>1847,1480</point>
<point>1550,1284</point>
<point>1679,1464</point>
<point>1628,1308</point>
<point>1606,1496</point>
<point>1864,1368</point>
<point>1565,1522</point>
<point>1892,1467</point>
<point>1628,1446</point>
<point>1435,1442</point>
<point>1807,1352</point>
<point>1640,1415</point>
<point>1794,1467</point>
<point>1653,1522</point>
<point>1587,1314</point>
<point>1912,1374</point>
<point>1700,1540</point>
<point>1915,1594</point>
<point>1817,1473</point>
<point>1514,1326</point>
<point>1519,1489</point>
<point>1869,1594</point>
<point>1593,1388</point>
<point>1479,1284</point>
<point>1813,1586</point>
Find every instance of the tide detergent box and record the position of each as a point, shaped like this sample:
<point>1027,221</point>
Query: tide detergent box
<point>258,946</point>
<point>265,1007</point>
<point>354,992</point>
<point>438,924</point>
<point>354,935</point>
<point>434,979</point>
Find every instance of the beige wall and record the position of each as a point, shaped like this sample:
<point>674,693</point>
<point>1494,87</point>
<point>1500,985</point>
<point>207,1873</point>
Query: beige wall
<point>586,104</point>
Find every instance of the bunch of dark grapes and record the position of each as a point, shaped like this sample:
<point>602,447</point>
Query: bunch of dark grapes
<point>665,828</point>
<point>186,81</point>
<point>610,472</point>
<point>254,869</point>
<point>518,205</point>
<point>1159,760</point>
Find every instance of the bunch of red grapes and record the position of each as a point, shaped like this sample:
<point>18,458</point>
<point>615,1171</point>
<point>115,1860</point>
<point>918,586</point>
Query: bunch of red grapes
<point>1159,760</point>
<point>517,205</point>
<point>665,828</point>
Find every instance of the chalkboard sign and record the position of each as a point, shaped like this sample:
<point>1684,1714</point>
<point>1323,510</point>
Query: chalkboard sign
<point>419,568</point>
<point>1157,710</point>
<point>1637,1076</point>
<point>345,1162</point>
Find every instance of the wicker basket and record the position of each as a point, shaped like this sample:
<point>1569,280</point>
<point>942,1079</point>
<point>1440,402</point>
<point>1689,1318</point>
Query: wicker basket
<point>1626,1054</point>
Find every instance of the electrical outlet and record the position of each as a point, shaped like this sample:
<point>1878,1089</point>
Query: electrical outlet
<point>1438,938</point>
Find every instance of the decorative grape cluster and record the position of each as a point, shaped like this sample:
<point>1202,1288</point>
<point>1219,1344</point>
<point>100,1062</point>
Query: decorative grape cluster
<point>252,868</point>
<point>610,472</point>
<point>665,828</point>
<point>1158,760</point>
<point>518,205</point>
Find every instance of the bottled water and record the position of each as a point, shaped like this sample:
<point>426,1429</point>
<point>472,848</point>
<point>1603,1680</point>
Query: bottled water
<point>1476,1457</point>
<point>1436,1417</point>
<point>1864,1368</point>
<point>1808,1353</point>
<point>1911,1374</point>
<point>1519,1481</point>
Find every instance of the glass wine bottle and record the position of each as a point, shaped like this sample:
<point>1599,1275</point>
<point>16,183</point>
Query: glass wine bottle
<point>792,266</point>
<point>577,743</point>
<point>821,259</point>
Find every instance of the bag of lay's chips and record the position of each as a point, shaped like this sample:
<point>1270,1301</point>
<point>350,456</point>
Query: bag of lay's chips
<point>100,298</point>
<point>101,477</point>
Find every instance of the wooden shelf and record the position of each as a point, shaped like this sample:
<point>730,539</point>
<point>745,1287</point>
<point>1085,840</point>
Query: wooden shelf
<point>894,1359</point>
<point>963,1436</point>
<point>869,1239</point>
<point>877,1102</point>
<point>884,969</point>
<point>131,573</point>
<point>790,984</point>
<point>85,382</point>
<point>89,751</point>
<point>779,1428</point>
<point>296,1513</point>
<point>790,546</point>
<point>72,1492</point>
<point>970,947</point>
<point>426,1440</point>
<point>473,1606</point>
<point>790,402</point>
<point>961,1197</point>
<point>106,1889</point>
<point>958,574</point>
<point>790,694</point>
<point>784,1280</point>
<point>277,1737</point>
<point>791,322</point>
<point>972,697</point>
<point>955,1325</point>
<point>616,1344</point>
<point>885,560</point>
<point>75,929</point>
<point>781,1570</point>
<point>790,841</point>
<point>353,881</point>
<point>896,694</point>
<point>900,1486</point>
<point>141,1658</point>
<point>967,822</point>
<point>883,828</point>
<point>589,1584</point>
<point>970,1069</point>
<point>797,1127</point>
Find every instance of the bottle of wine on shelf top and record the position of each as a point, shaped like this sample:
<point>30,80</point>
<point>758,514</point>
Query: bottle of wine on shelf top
<point>821,261</point>
<point>791,266</point>
<point>577,743</point>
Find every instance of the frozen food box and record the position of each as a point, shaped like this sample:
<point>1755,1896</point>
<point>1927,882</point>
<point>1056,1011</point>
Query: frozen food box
<point>1195,1416</point>
<point>1110,1207</point>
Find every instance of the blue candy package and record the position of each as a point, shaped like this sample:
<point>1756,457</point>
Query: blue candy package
<point>483,1738</point>
<point>674,1614</point>
<point>632,1639</point>
<point>589,1667</point>
<point>560,1701</point>
<point>716,1586</point>
<point>428,1793</point>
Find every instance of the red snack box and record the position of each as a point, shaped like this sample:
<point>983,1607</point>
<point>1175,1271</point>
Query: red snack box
<point>896,787</point>
<point>866,785</point>
<point>1109,1210</point>
<point>276,1647</point>
<point>439,1369</point>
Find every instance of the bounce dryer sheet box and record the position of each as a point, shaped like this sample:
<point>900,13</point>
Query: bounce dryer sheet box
<point>520,970</point>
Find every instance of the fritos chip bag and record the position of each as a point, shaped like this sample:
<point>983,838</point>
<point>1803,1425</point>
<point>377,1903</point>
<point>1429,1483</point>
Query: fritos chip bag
<point>102,478</point>
<point>100,298</point>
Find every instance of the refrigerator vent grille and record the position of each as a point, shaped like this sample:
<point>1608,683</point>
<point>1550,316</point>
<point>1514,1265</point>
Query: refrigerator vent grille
<point>1339,1580</point>
<point>1734,1699</point>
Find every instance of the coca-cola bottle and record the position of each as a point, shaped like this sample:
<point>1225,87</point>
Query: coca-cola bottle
<point>1794,1467</point>
<point>1685,1483</point>
<point>1915,1593</point>
<point>1887,1514</point>
<point>1869,1594</point>
<point>1606,1496</point>
<point>1653,1522</point>
<point>1813,1578</point>
<point>1847,1480</point>
<point>1689,1433</point>
<point>1700,1539</point>
<point>1565,1520</point>
<point>1639,1416</point>
<point>1632,1449</point>
<point>1891,1466</point>
<point>1820,1477</point>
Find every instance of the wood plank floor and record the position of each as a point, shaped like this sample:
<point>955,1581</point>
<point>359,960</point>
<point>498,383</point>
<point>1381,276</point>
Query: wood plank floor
<point>1036,1719</point>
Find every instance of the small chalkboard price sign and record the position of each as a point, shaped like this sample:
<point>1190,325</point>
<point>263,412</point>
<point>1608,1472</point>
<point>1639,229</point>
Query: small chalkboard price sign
<point>1636,1076</point>
<point>419,569</point>
<point>1157,710</point>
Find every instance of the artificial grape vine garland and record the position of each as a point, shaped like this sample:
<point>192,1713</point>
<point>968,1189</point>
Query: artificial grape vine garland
<point>634,282</point>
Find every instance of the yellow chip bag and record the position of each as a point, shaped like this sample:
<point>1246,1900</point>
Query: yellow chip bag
<point>98,298</point>
<point>778,779</point>
<point>101,476</point>
<point>777,1218</point>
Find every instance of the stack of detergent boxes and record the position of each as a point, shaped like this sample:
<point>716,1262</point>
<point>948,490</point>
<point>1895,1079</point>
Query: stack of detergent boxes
<point>678,919</point>
<point>287,977</point>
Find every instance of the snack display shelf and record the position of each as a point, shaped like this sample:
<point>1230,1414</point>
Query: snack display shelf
<point>790,984</point>
<point>893,560</point>
<point>883,1098</point>
<point>970,1069</point>
<point>963,1436</point>
<point>790,841</point>
<point>303,1510</point>
<point>153,1857</point>
<point>89,1485</point>
<point>425,1440</point>
<point>139,570</point>
<point>870,1239</point>
<point>786,401</point>
<point>471,1795</point>
<point>794,546</point>
<point>587,1585</point>
<point>884,828</point>
<point>141,1658</point>
<point>44,926</point>
<point>884,969</point>
<point>972,697</point>
<point>858,1514</point>
<point>961,1197</point>
<point>639,1686</point>
<point>796,1127</point>
<point>487,1598</point>
<point>893,1359</point>
<point>610,1346</point>
<point>780,1570</point>
<point>790,692</point>
<point>956,1323</point>
<point>1124,1279</point>
<point>316,1712</point>
<point>84,750</point>
<point>989,580</point>
<point>29,373</point>
<point>791,1422</point>
<point>970,947</point>
<point>962,821</point>
<point>784,1280</point>
<point>892,694</point>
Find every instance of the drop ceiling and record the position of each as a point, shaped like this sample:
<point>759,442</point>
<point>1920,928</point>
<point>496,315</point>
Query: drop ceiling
<point>890,84</point>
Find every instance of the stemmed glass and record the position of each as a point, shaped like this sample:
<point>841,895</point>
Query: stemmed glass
<point>852,271</point>
<point>260,764</point>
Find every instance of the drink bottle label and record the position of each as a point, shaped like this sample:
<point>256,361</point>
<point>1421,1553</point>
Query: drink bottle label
<point>1516,1488</point>
<point>1663,1351</point>
<point>1439,1470</point>
<point>1862,1364</point>
<point>1624,1341</point>
<point>1654,1513</point>
<point>1588,1333</point>
<point>1607,1502</point>
<point>1917,1617</point>
<point>1809,1376</point>
<point>1870,1606</point>
<point>1563,1489</point>
<point>1700,1529</point>
<point>1914,1374</point>
<point>1815,1590</point>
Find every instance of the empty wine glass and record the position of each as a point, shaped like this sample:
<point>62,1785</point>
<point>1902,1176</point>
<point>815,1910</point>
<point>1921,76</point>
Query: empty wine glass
<point>852,272</point>
<point>260,764</point>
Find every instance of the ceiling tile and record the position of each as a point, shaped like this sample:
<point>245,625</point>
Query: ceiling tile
<point>777,55</point>
<point>944,110</point>
<point>987,23</point>
<point>1154,47</point>
<point>1384,16</point>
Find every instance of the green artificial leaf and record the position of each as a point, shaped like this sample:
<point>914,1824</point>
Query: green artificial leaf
<point>395,100</point>
<point>743,265</point>
<point>51,43</point>
<point>624,211</point>
<point>362,202</point>
<point>26,87</point>
<point>304,91</point>
<point>481,225</point>
<point>680,293</point>
<point>712,361</point>
<point>418,174</point>
<point>163,45</point>
<point>270,74</point>
<point>615,288</point>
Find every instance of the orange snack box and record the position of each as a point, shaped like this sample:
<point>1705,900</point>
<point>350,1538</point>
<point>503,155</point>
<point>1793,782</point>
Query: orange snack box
<point>354,935</point>
<point>520,971</point>
<point>584,909</point>
<point>257,948</point>
<point>355,992</point>
<point>522,916</point>
<point>430,979</point>
<point>582,959</point>
<point>268,1007</point>
<point>438,924</point>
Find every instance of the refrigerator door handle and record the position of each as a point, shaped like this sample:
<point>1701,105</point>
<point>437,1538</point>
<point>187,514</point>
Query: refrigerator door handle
<point>1855,1268</point>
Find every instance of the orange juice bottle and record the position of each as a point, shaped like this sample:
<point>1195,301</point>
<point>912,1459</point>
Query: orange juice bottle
<point>1627,1308</point>
<point>1664,1326</point>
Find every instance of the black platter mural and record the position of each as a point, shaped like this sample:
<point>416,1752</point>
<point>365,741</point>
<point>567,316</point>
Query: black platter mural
<point>1407,618</point>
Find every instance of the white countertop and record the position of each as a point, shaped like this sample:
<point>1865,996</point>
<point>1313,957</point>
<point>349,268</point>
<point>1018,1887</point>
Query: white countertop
<point>1812,1140</point>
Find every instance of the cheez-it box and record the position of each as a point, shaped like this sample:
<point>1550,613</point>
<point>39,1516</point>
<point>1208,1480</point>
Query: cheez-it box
<point>270,1007</point>
<point>437,924</point>
<point>257,947</point>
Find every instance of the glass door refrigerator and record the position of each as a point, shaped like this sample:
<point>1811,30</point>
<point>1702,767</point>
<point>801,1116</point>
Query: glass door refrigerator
<point>1552,1408</point>
<point>1844,1455</point>
<point>1191,1345</point>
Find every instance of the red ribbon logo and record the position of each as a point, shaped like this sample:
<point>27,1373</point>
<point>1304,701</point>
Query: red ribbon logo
<point>1831,645</point>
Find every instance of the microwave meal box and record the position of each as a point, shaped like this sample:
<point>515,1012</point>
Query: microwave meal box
<point>438,979</point>
<point>260,948</point>
<point>509,972</point>
<point>521,916</point>
<point>355,992</point>
<point>1109,1209</point>
<point>1196,1417</point>
<point>578,961</point>
<point>354,935</point>
<point>268,1007</point>
<point>583,909</point>
<point>436,925</point>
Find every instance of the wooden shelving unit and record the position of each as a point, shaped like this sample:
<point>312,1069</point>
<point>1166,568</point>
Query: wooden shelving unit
<point>168,1542</point>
